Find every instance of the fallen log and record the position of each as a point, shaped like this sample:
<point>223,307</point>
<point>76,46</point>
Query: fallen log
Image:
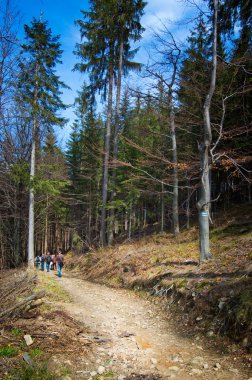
<point>19,305</point>
<point>45,335</point>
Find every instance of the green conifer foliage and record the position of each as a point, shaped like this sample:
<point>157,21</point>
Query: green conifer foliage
<point>39,92</point>
<point>39,88</point>
<point>106,30</point>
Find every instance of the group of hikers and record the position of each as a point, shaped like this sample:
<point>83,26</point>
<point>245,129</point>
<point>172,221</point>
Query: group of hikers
<point>50,262</point>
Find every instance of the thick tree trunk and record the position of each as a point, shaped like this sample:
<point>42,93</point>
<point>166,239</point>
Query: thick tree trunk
<point>175,215</point>
<point>203,204</point>
<point>106,159</point>
<point>32,174</point>
<point>31,205</point>
<point>205,194</point>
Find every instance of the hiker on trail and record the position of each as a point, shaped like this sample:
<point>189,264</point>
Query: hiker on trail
<point>37,261</point>
<point>42,259</point>
<point>53,263</point>
<point>60,262</point>
<point>48,261</point>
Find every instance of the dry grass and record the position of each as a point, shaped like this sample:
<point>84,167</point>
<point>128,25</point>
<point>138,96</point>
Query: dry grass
<point>219,291</point>
<point>55,334</point>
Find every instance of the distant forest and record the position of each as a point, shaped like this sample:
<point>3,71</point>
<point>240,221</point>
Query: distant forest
<point>169,150</point>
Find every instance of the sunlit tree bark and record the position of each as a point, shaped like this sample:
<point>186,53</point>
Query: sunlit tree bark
<point>204,202</point>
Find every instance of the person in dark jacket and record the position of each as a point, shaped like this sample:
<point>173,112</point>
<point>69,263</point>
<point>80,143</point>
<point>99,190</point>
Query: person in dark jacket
<point>43,257</point>
<point>60,262</point>
<point>48,260</point>
<point>37,261</point>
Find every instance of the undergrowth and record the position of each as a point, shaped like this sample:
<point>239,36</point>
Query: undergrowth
<point>8,351</point>
<point>38,371</point>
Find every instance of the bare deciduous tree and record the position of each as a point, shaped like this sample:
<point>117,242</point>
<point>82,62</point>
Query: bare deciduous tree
<point>204,202</point>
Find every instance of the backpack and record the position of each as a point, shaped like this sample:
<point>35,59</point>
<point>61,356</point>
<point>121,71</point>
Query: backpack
<point>60,260</point>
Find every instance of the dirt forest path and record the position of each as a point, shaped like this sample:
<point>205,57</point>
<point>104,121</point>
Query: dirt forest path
<point>136,339</point>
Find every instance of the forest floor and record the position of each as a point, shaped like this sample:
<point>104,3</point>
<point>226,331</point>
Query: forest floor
<point>84,330</point>
<point>144,309</point>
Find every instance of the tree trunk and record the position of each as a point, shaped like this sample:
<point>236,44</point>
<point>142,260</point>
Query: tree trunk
<point>16,236</point>
<point>90,223</point>
<point>57,236</point>
<point>175,216</point>
<point>203,204</point>
<point>31,203</point>
<point>144,216</point>
<point>106,159</point>
<point>130,221</point>
<point>46,227</point>
<point>162,208</point>
<point>32,173</point>
<point>115,145</point>
<point>188,205</point>
<point>126,221</point>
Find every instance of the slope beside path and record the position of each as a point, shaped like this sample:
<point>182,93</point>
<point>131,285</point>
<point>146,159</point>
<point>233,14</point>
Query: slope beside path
<point>135,341</point>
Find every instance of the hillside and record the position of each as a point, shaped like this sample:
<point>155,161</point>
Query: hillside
<point>214,298</point>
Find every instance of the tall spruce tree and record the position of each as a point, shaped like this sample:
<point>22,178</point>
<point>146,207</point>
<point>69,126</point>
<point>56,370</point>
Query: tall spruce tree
<point>39,91</point>
<point>107,27</point>
<point>129,29</point>
<point>97,53</point>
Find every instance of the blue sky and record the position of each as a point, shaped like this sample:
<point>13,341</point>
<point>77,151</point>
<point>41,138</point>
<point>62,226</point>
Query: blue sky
<point>61,15</point>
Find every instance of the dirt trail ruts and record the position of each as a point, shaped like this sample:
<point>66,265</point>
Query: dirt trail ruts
<point>138,339</point>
